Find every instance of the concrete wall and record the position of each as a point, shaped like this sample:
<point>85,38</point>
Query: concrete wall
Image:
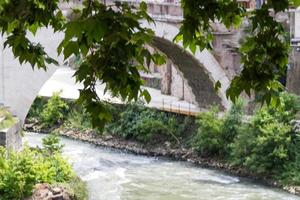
<point>11,138</point>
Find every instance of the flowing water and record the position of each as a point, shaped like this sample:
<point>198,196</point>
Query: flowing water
<point>114,175</point>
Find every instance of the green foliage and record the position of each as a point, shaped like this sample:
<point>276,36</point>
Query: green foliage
<point>78,119</point>
<point>233,120</point>
<point>51,144</point>
<point>289,108</point>
<point>20,171</point>
<point>112,53</point>
<point>196,30</point>
<point>36,109</point>
<point>18,17</point>
<point>145,125</point>
<point>263,144</point>
<point>268,143</point>
<point>54,111</point>
<point>77,188</point>
<point>111,42</point>
<point>290,174</point>
<point>215,134</point>
<point>209,141</point>
<point>7,118</point>
<point>265,55</point>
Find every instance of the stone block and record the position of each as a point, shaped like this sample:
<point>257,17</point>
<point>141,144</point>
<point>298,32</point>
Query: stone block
<point>11,138</point>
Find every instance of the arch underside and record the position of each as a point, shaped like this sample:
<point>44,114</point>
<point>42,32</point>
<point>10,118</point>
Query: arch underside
<point>193,72</point>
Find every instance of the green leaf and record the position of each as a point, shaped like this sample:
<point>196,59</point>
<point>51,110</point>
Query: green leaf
<point>158,59</point>
<point>146,96</point>
<point>73,29</point>
<point>33,28</point>
<point>143,6</point>
<point>295,2</point>
<point>217,86</point>
<point>71,48</point>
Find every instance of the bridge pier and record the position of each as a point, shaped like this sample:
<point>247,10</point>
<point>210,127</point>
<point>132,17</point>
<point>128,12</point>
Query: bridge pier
<point>11,138</point>
<point>293,74</point>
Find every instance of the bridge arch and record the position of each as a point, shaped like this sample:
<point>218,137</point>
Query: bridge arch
<point>20,84</point>
<point>200,71</point>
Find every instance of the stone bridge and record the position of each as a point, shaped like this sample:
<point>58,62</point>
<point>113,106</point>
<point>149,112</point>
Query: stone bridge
<point>20,84</point>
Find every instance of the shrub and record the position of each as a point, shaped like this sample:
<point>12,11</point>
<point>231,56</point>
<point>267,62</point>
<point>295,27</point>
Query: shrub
<point>51,144</point>
<point>290,174</point>
<point>78,119</point>
<point>215,134</point>
<point>233,120</point>
<point>54,111</point>
<point>290,106</point>
<point>145,125</point>
<point>36,109</point>
<point>263,144</point>
<point>208,140</point>
<point>125,126</point>
<point>21,171</point>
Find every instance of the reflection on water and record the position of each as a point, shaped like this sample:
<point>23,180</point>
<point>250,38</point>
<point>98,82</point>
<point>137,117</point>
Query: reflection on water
<point>113,175</point>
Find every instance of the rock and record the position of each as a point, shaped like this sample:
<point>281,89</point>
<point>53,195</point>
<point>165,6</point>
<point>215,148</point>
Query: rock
<point>168,144</point>
<point>56,190</point>
<point>297,190</point>
<point>108,137</point>
<point>290,189</point>
<point>47,192</point>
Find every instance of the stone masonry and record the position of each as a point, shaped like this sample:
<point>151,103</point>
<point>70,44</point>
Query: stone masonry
<point>11,138</point>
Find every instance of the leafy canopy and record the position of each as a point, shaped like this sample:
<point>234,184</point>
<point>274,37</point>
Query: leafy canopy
<point>112,43</point>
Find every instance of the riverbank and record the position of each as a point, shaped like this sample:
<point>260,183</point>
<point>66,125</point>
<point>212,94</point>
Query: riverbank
<point>165,151</point>
<point>264,149</point>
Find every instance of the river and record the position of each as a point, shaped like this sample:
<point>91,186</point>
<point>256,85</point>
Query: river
<point>115,175</point>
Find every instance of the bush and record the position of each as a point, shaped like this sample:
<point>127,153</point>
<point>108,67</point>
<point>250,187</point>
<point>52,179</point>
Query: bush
<point>21,171</point>
<point>209,139</point>
<point>78,119</point>
<point>233,120</point>
<point>36,109</point>
<point>51,144</point>
<point>54,111</point>
<point>145,125</point>
<point>262,146</point>
<point>267,145</point>
<point>290,106</point>
<point>215,134</point>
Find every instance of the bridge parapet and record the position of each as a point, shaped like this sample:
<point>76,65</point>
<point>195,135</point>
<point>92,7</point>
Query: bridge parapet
<point>159,10</point>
